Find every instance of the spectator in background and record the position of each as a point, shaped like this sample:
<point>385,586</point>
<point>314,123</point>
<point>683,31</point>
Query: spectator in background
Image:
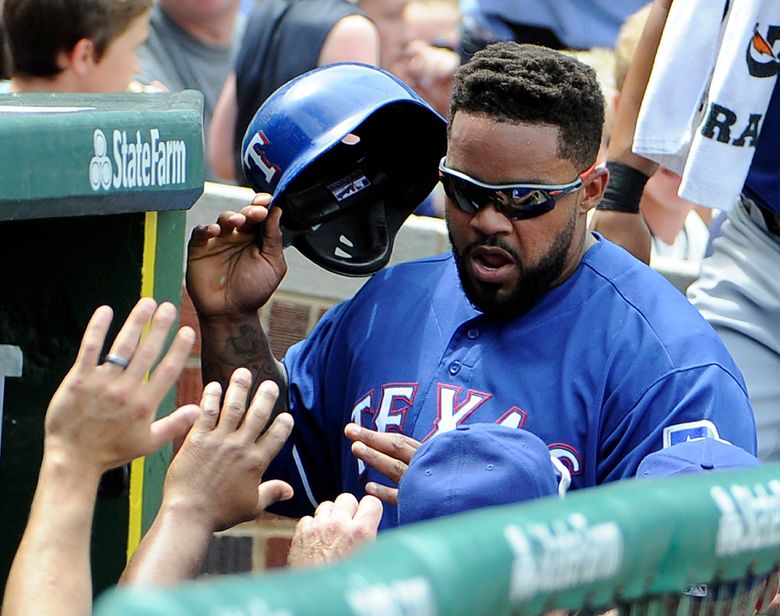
<point>193,44</point>
<point>434,21</point>
<point>429,64</point>
<point>558,24</point>
<point>738,290</point>
<point>285,39</point>
<point>677,229</point>
<point>74,46</point>
<point>394,35</point>
<point>429,59</point>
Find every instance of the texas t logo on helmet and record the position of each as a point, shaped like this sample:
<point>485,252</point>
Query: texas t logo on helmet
<point>348,152</point>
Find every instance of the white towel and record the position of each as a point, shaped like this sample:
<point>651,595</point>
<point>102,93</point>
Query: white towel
<point>681,73</point>
<point>710,139</point>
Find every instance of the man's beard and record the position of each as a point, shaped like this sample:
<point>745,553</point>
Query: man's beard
<point>534,282</point>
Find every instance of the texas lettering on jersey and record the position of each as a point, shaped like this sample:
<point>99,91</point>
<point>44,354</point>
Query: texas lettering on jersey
<point>387,410</point>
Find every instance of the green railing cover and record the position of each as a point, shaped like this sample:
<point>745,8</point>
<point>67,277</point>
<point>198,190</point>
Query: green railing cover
<point>94,154</point>
<point>629,540</point>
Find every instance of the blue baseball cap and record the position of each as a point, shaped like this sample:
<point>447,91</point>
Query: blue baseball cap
<point>473,466</point>
<point>695,456</point>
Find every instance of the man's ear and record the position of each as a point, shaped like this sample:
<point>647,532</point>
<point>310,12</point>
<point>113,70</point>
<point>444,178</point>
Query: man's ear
<point>593,187</point>
<point>81,58</point>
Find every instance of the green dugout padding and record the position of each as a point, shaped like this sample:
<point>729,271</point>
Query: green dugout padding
<point>72,155</point>
<point>82,227</point>
<point>626,541</point>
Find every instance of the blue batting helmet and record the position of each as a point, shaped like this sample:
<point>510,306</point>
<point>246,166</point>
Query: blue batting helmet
<point>348,152</point>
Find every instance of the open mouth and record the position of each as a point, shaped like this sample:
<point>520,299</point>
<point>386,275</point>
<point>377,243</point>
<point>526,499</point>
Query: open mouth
<point>492,265</point>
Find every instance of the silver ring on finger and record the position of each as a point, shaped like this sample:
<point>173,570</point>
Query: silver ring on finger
<point>117,361</point>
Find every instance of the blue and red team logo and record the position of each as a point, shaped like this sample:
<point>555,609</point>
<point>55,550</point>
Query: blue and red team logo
<point>256,160</point>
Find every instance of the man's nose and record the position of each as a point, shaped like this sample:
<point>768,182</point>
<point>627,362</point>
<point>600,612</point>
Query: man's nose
<point>490,221</point>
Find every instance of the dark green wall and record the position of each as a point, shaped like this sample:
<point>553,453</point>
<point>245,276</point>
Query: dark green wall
<point>54,273</point>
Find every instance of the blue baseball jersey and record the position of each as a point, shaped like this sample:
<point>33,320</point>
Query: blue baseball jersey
<point>611,365</point>
<point>763,179</point>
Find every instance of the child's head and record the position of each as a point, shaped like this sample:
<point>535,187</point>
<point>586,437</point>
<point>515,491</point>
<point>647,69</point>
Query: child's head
<point>77,45</point>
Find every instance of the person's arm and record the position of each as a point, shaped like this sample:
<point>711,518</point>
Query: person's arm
<point>337,529</point>
<point>102,416</point>
<point>353,39</point>
<point>617,216</point>
<point>51,568</point>
<point>157,72</point>
<point>229,279</point>
<point>214,482</point>
<point>219,141</point>
<point>387,452</point>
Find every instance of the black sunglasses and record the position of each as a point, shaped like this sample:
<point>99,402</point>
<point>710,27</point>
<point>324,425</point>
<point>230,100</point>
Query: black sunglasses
<point>515,201</point>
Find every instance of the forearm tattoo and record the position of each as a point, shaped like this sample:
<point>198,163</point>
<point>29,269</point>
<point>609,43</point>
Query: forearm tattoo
<point>248,349</point>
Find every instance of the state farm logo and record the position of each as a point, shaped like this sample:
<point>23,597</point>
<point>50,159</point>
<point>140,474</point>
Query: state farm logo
<point>139,161</point>
<point>762,60</point>
<point>100,165</point>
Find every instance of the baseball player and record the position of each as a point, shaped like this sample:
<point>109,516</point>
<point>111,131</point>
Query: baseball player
<point>529,322</point>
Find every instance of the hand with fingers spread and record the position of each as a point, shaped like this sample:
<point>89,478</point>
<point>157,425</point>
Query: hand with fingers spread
<point>218,470</point>
<point>101,416</point>
<point>337,529</point>
<point>215,480</point>
<point>227,274</point>
<point>387,452</point>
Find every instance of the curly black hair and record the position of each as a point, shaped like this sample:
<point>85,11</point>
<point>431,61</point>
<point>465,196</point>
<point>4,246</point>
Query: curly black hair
<point>517,83</point>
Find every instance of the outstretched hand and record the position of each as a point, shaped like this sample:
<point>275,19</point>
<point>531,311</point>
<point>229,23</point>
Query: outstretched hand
<point>102,415</point>
<point>216,475</point>
<point>337,529</point>
<point>214,482</point>
<point>387,452</point>
<point>227,274</point>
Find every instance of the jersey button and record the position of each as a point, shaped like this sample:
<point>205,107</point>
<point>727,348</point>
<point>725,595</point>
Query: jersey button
<point>473,333</point>
<point>455,367</point>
